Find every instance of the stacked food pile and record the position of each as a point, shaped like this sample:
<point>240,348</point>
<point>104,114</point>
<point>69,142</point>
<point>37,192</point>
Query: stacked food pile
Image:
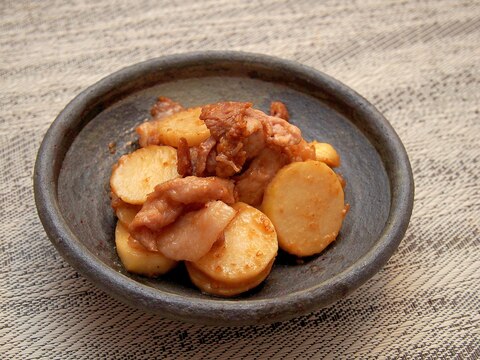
<point>221,187</point>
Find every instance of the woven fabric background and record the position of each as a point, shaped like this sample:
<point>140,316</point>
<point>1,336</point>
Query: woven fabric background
<point>417,61</point>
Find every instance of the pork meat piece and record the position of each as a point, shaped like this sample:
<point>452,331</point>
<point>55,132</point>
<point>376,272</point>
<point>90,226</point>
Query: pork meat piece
<point>164,107</point>
<point>278,109</point>
<point>169,200</point>
<point>225,119</point>
<point>228,127</point>
<point>203,151</point>
<point>300,152</point>
<point>277,132</point>
<point>192,235</point>
<point>251,185</point>
<point>184,161</point>
<point>241,132</point>
<point>193,160</point>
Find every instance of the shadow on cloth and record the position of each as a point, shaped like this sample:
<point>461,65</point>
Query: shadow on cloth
<point>88,316</point>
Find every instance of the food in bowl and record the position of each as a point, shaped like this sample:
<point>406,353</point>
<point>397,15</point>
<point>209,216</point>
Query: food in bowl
<point>221,187</point>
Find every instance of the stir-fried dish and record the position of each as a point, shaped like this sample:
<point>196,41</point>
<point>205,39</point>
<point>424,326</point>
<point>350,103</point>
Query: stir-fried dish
<point>221,187</point>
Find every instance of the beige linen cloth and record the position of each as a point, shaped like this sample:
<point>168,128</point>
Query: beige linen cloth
<point>416,61</point>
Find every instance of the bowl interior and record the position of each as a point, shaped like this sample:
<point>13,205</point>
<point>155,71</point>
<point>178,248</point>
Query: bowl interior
<point>83,179</point>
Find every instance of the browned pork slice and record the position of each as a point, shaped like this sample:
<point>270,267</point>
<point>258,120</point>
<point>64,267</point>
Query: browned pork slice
<point>192,235</point>
<point>251,185</point>
<point>302,151</point>
<point>164,107</point>
<point>203,153</point>
<point>278,109</point>
<point>227,125</point>
<point>242,132</point>
<point>277,131</point>
<point>169,200</point>
<point>196,160</point>
<point>184,161</point>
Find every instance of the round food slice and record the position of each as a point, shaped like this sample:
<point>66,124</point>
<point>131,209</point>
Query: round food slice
<point>137,259</point>
<point>248,247</point>
<point>305,202</point>
<point>183,124</point>
<point>135,175</point>
<point>326,153</point>
<point>211,286</point>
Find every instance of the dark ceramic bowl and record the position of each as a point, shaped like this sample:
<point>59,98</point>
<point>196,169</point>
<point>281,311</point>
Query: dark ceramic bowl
<point>74,165</point>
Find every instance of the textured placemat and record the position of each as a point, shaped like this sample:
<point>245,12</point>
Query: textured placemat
<point>418,62</point>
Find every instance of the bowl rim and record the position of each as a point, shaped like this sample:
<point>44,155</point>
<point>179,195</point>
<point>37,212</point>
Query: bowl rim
<point>217,311</point>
